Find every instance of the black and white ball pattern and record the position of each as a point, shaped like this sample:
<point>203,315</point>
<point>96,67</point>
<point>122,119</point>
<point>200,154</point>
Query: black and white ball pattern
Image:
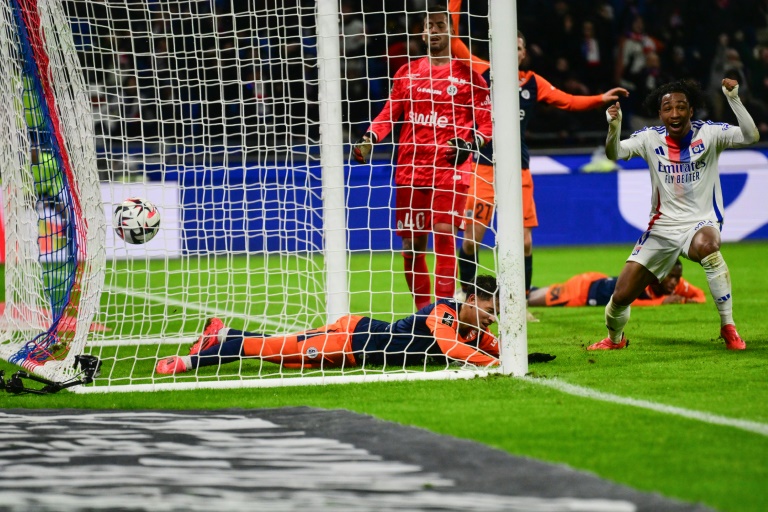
<point>136,220</point>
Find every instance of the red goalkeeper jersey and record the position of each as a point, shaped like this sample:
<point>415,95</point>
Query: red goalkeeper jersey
<point>437,104</point>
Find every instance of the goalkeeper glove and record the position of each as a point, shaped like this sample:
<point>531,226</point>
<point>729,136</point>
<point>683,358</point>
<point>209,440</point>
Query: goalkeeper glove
<point>362,148</point>
<point>461,149</point>
<point>538,357</point>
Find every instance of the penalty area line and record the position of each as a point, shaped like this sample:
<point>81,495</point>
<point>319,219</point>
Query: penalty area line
<point>714,419</point>
<point>207,311</point>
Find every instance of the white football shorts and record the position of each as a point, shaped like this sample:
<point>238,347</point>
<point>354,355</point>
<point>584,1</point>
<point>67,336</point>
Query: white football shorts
<point>658,248</point>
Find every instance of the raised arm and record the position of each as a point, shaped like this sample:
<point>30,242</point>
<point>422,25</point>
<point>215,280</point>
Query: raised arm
<point>748,132</point>
<point>613,142</point>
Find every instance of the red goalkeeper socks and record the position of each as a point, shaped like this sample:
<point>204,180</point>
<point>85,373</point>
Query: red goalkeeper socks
<point>445,265</point>
<point>417,277</point>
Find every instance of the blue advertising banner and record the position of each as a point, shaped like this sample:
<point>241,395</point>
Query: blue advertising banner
<point>271,208</point>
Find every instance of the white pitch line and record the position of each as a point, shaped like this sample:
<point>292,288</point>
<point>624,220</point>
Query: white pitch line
<point>714,419</point>
<point>209,312</point>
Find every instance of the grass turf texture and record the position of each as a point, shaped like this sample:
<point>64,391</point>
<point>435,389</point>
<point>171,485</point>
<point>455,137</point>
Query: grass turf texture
<point>675,358</point>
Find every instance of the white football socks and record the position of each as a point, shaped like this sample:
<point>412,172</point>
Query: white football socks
<point>719,280</point>
<point>616,318</point>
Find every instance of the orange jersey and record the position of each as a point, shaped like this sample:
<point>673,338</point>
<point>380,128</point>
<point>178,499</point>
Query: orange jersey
<point>685,289</point>
<point>355,340</point>
<point>458,48</point>
<point>432,331</point>
<point>575,291</point>
<point>595,289</point>
<point>477,347</point>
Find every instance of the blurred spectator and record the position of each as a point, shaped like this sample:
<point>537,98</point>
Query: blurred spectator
<point>648,79</point>
<point>633,48</point>
<point>405,47</point>
<point>591,58</point>
<point>726,61</point>
<point>760,72</point>
<point>756,105</point>
<point>353,33</point>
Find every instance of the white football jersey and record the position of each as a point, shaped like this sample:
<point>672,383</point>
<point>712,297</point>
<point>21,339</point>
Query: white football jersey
<point>684,175</point>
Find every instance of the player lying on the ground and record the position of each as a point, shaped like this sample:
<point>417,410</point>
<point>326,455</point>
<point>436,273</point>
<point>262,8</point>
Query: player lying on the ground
<point>686,201</point>
<point>446,330</point>
<point>595,289</point>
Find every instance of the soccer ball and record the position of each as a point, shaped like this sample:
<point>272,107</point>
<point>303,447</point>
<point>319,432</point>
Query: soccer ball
<point>136,220</point>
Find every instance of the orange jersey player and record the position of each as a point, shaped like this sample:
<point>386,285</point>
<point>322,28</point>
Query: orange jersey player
<point>446,330</point>
<point>595,289</point>
<point>533,89</point>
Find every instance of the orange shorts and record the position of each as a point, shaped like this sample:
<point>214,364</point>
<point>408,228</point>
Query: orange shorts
<point>530,220</point>
<point>574,292</point>
<point>482,197</point>
<point>329,345</point>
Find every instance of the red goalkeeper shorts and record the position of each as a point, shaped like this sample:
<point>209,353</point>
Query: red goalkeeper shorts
<point>418,209</point>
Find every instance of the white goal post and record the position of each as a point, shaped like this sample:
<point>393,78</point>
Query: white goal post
<point>53,228</point>
<point>236,120</point>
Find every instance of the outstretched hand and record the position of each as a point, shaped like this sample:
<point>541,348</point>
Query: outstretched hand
<point>613,113</point>
<point>614,94</point>
<point>673,299</point>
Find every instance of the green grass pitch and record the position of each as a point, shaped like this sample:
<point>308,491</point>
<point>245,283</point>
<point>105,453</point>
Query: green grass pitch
<point>675,358</point>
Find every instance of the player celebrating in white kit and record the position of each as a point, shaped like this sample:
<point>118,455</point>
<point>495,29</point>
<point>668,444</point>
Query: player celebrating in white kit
<point>686,202</point>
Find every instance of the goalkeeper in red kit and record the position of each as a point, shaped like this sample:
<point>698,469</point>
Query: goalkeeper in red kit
<point>446,112</point>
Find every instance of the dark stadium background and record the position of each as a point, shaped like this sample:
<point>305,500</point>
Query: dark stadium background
<point>155,101</point>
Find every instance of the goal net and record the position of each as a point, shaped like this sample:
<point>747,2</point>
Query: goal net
<point>235,119</point>
<point>53,229</point>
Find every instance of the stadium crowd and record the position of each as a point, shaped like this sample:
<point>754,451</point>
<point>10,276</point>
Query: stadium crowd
<point>233,74</point>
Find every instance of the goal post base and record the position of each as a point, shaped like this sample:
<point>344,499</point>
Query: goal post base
<point>459,374</point>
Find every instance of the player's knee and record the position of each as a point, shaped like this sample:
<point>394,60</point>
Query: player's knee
<point>707,248</point>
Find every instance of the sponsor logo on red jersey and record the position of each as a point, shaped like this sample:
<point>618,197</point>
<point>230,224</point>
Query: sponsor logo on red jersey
<point>431,119</point>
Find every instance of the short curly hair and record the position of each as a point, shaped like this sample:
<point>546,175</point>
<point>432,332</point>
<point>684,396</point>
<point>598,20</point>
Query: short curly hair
<point>690,88</point>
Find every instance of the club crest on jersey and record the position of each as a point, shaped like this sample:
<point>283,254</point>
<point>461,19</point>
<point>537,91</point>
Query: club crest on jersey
<point>312,352</point>
<point>448,319</point>
<point>697,146</point>
<point>452,90</point>
<point>526,94</point>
